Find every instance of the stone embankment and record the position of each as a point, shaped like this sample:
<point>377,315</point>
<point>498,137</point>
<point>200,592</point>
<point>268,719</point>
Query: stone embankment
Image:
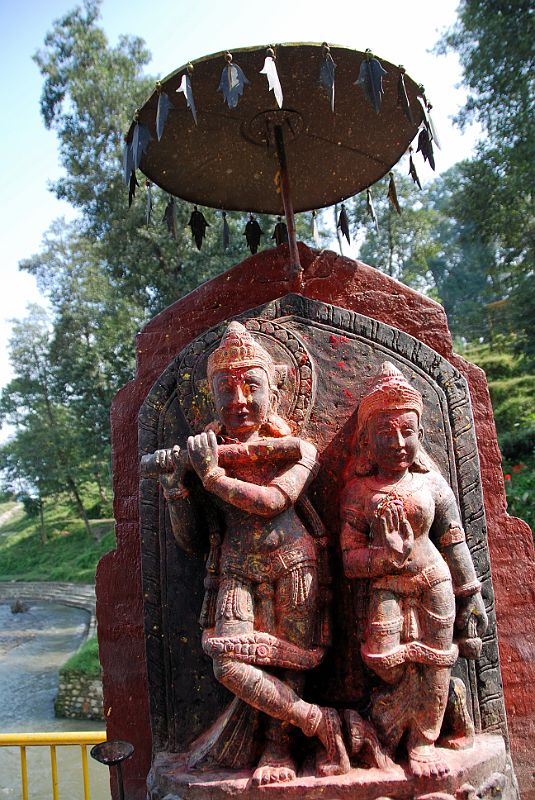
<point>79,695</point>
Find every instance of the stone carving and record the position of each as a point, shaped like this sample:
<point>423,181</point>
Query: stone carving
<point>401,531</point>
<point>264,616</point>
<point>258,407</point>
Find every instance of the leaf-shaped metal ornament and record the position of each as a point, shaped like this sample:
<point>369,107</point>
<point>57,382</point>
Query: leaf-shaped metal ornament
<point>169,217</point>
<point>425,147</point>
<point>232,83</point>
<point>426,107</point>
<point>132,186</point>
<point>370,79</point>
<point>412,170</point>
<point>226,232</point>
<point>392,193</point>
<point>270,71</point>
<point>327,70</point>
<point>252,233</point>
<point>371,210</point>
<point>148,203</point>
<point>343,223</point>
<point>128,163</point>
<point>187,91</point>
<point>280,232</point>
<point>403,98</point>
<point>164,104</point>
<point>198,225</point>
<point>140,141</point>
<point>315,231</point>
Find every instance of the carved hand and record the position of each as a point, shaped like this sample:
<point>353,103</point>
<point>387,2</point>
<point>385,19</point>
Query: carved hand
<point>171,481</point>
<point>395,532</point>
<point>202,450</point>
<point>471,610</point>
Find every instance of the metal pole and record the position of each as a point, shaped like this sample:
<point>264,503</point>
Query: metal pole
<point>295,268</point>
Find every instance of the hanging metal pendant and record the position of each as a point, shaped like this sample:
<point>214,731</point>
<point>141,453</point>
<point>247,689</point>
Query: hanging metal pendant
<point>226,232</point>
<point>315,231</point>
<point>403,98</point>
<point>162,112</point>
<point>343,223</point>
<point>270,71</point>
<point>140,141</point>
<point>426,107</point>
<point>370,79</point>
<point>128,163</point>
<point>252,233</point>
<point>198,225</point>
<point>392,193</point>
<point>412,169</point>
<point>280,232</point>
<point>327,70</point>
<point>425,147</point>
<point>169,217</point>
<point>148,203</point>
<point>187,91</point>
<point>132,186</point>
<point>370,208</point>
<point>232,83</point>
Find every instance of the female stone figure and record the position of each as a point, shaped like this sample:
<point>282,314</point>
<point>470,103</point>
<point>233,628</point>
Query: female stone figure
<point>261,630</point>
<point>401,530</point>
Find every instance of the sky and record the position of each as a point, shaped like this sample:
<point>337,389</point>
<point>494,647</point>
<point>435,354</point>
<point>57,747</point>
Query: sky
<point>177,31</point>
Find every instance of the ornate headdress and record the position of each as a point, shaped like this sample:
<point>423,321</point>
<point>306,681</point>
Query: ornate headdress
<point>390,391</point>
<point>239,350</point>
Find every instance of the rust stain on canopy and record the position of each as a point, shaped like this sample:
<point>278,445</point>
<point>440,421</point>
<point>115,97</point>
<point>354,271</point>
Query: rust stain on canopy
<point>223,161</point>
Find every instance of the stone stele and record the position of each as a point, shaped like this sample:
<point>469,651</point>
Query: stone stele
<point>327,576</point>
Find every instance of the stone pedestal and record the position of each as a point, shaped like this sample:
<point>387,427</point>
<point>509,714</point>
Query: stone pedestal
<point>170,780</point>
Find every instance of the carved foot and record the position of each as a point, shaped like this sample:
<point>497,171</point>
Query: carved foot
<point>426,762</point>
<point>363,741</point>
<point>276,765</point>
<point>334,761</point>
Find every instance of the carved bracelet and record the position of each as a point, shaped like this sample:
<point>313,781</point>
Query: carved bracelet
<point>173,494</point>
<point>467,589</point>
<point>212,477</point>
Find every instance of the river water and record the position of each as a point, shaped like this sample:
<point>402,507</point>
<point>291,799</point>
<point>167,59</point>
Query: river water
<point>33,646</point>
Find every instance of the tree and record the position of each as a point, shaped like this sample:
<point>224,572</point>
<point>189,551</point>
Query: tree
<point>429,247</point>
<point>46,450</point>
<point>494,41</point>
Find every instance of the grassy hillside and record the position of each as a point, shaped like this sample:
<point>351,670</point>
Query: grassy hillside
<point>68,554</point>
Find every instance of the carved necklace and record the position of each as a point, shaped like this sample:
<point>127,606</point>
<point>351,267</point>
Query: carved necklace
<point>392,497</point>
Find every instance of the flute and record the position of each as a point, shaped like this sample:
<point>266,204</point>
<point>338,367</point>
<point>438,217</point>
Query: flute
<point>287,448</point>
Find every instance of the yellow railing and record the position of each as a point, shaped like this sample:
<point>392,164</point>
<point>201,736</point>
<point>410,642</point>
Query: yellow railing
<point>52,740</point>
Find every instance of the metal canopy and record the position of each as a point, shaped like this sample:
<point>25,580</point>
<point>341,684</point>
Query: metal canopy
<point>229,159</point>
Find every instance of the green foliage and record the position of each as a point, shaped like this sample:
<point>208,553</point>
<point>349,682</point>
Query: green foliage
<point>429,248</point>
<point>85,661</point>
<point>518,444</point>
<point>513,401</point>
<point>68,555</point>
<point>494,41</point>
<point>520,489</point>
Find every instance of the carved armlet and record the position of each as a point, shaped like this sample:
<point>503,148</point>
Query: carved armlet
<point>454,535</point>
<point>467,589</point>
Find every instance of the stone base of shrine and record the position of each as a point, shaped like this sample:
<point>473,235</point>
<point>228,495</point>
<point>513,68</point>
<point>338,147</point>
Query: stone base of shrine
<point>485,767</point>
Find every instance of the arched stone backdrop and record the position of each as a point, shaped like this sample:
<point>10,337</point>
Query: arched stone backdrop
<point>357,287</point>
